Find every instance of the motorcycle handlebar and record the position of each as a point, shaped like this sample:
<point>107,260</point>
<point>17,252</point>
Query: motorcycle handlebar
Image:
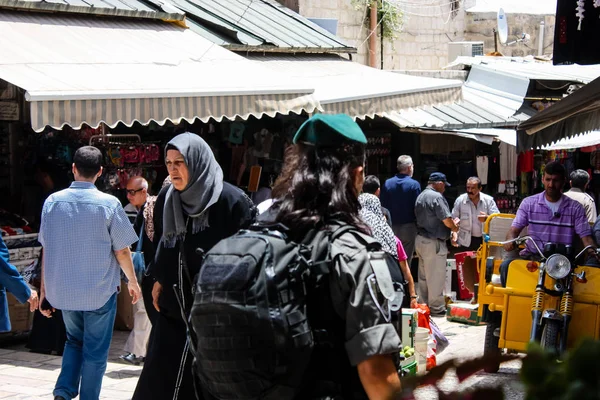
<point>522,239</point>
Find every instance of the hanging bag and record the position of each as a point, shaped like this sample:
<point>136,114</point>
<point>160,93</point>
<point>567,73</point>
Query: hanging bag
<point>139,263</point>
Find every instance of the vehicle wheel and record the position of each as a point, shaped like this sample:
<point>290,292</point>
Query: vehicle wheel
<point>490,346</point>
<point>551,335</point>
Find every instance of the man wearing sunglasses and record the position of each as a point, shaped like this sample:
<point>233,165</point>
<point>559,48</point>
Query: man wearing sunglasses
<point>137,194</point>
<point>137,342</point>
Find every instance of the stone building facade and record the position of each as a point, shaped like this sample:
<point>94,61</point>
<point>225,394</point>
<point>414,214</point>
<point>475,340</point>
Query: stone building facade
<point>428,28</point>
<point>480,27</point>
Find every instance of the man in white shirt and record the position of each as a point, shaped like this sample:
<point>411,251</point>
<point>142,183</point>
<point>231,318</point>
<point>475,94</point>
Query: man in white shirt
<point>472,208</point>
<point>579,183</point>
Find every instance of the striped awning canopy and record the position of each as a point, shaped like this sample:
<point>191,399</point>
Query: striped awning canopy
<point>86,70</point>
<point>343,86</point>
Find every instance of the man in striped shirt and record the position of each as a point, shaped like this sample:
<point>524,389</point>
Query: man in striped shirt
<point>550,218</point>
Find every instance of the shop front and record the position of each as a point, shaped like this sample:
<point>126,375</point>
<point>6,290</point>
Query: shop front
<point>126,86</point>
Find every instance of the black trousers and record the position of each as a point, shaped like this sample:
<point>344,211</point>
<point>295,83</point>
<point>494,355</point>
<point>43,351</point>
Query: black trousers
<point>475,243</point>
<point>167,372</point>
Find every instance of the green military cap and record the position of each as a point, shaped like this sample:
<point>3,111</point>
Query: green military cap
<point>329,130</point>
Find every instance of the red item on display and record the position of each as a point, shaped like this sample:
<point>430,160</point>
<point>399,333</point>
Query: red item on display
<point>525,162</point>
<point>464,293</point>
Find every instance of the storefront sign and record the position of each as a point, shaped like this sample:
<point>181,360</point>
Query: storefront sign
<point>9,111</point>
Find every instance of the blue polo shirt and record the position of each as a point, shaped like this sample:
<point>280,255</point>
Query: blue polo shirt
<point>80,230</point>
<point>399,195</point>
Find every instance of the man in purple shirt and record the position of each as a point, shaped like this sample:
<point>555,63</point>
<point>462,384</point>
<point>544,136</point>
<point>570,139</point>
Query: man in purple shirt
<point>550,218</point>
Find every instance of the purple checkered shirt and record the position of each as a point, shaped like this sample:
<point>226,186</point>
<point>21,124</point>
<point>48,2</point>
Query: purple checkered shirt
<point>546,227</point>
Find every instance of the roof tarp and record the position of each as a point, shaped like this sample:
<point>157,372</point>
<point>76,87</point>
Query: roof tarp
<point>343,86</point>
<point>80,70</point>
<point>575,114</point>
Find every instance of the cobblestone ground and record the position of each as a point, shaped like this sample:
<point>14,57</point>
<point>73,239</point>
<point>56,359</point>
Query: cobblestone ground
<point>467,342</point>
<point>31,376</point>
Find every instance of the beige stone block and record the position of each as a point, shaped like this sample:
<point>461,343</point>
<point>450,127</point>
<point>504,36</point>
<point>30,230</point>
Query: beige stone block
<point>8,395</point>
<point>25,389</point>
<point>114,394</point>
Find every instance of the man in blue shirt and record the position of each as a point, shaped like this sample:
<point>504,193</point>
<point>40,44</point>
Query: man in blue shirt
<point>399,195</point>
<point>86,237</point>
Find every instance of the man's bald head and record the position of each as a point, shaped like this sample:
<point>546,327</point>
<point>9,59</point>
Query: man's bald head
<point>137,191</point>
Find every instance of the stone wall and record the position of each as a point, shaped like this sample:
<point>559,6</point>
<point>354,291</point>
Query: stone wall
<point>423,43</point>
<point>479,27</point>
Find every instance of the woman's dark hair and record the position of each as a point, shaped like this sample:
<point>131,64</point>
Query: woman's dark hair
<point>316,185</point>
<point>88,161</point>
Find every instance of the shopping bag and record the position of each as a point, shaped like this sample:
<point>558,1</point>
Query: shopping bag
<point>441,340</point>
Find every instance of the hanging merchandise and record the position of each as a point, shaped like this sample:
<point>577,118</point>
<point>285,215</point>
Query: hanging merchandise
<point>125,157</point>
<point>579,10</point>
<point>576,32</point>
<point>525,161</point>
<point>508,162</point>
<point>236,132</point>
<point>482,169</point>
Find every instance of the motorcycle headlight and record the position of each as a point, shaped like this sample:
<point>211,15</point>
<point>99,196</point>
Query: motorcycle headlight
<point>558,266</point>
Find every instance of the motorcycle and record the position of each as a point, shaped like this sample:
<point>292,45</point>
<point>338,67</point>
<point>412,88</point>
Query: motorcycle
<point>550,324</point>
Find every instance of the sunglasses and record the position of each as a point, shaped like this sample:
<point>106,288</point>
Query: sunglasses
<point>132,192</point>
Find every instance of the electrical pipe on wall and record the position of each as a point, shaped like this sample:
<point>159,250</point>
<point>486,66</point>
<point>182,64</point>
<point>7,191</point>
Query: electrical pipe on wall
<point>373,35</point>
<point>541,39</point>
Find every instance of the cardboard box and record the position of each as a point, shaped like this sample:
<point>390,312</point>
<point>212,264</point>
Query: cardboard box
<point>464,313</point>
<point>410,318</point>
<point>466,270</point>
<point>124,318</point>
<point>21,318</point>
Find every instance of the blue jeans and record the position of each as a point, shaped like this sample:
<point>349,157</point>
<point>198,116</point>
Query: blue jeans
<point>86,352</point>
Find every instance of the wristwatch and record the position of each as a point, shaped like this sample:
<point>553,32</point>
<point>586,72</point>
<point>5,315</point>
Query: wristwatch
<point>414,297</point>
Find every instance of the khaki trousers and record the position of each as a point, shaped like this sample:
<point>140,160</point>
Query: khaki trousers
<point>137,342</point>
<point>432,255</point>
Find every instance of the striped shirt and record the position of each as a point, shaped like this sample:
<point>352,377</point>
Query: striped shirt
<point>80,230</point>
<point>545,226</point>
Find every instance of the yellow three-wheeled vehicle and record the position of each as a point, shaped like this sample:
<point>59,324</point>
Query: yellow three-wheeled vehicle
<point>552,301</point>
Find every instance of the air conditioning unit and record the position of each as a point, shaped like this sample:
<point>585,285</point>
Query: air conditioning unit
<point>469,49</point>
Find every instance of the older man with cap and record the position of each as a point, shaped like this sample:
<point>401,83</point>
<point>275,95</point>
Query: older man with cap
<point>434,224</point>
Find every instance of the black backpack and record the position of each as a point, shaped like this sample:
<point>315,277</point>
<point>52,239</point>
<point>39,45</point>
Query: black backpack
<point>251,335</point>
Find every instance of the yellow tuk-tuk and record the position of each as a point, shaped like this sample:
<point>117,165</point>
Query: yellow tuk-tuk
<point>560,296</point>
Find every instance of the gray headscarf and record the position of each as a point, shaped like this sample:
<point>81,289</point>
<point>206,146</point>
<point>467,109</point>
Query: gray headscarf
<point>371,213</point>
<point>202,191</point>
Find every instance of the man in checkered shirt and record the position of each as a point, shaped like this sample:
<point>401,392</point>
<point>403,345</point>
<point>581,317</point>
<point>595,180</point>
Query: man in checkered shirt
<point>86,237</point>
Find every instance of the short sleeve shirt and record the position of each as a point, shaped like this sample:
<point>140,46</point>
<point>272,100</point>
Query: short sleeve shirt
<point>81,228</point>
<point>431,208</point>
<point>546,226</point>
<point>367,332</point>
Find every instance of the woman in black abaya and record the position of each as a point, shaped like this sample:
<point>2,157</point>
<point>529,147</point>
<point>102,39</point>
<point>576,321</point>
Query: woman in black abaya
<point>199,210</point>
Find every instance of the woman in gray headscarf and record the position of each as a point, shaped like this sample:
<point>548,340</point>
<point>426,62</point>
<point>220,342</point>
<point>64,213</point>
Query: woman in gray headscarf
<point>372,215</point>
<point>199,210</point>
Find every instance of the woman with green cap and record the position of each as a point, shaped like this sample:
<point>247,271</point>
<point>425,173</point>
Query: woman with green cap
<point>318,189</point>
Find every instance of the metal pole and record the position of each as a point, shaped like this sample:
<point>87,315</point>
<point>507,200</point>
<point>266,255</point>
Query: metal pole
<point>373,35</point>
<point>381,44</point>
<point>541,39</point>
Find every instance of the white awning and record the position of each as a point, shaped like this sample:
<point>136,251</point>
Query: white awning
<point>343,86</point>
<point>87,70</point>
<point>576,142</point>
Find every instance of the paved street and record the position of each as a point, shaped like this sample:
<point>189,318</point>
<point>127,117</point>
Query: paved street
<point>467,342</point>
<point>31,376</point>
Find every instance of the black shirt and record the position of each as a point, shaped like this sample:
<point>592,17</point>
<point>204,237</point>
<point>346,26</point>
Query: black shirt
<point>232,212</point>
